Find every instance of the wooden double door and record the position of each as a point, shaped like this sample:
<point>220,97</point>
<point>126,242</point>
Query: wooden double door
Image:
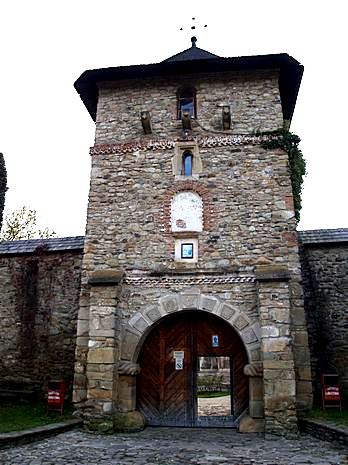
<point>170,359</point>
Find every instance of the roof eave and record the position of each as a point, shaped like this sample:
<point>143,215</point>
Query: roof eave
<point>289,78</point>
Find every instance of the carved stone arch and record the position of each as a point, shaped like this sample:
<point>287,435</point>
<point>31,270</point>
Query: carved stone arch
<point>140,324</point>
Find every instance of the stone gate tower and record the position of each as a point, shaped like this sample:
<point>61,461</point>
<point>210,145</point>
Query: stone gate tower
<point>191,248</point>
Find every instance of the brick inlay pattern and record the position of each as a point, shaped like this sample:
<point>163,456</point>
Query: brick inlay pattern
<point>169,281</point>
<point>163,144</point>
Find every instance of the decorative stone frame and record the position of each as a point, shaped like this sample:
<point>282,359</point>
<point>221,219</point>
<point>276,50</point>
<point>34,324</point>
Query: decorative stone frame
<point>179,241</point>
<point>209,214</point>
<point>177,161</point>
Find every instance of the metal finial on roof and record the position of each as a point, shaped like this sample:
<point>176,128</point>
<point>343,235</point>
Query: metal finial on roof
<point>193,27</point>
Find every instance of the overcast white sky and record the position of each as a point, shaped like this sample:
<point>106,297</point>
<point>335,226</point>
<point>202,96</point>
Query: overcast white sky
<point>46,132</point>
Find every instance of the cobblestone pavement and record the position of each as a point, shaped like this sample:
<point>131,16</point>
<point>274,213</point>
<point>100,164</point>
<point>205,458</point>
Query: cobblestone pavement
<point>164,446</point>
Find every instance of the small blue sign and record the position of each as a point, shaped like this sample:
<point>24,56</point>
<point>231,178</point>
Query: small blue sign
<point>215,340</point>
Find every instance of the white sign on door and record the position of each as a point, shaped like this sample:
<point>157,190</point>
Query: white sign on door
<point>179,364</point>
<point>179,359</point>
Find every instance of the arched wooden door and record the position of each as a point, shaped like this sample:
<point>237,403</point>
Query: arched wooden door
<point>166,387</point>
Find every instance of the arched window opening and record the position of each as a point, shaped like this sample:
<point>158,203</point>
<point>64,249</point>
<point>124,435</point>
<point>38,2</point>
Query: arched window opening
<point>187,102</point>
<point>187,161</point>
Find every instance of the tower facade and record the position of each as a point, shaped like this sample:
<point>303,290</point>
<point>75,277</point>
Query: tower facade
<point>191,248</point>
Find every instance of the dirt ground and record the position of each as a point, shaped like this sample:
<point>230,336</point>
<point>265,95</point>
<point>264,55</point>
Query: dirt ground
<point>214,406</point>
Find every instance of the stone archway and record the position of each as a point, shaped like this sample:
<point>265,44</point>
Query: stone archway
<point>141,323</point>
<point>168,395</point>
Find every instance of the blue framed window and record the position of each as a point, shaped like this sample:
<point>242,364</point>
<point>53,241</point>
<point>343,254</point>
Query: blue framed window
<point>187,250</point>
<point>187,161</point>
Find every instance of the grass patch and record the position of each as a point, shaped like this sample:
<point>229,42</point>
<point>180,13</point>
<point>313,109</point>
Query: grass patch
<point>333,415</point>
<point>206,395</point>
<point>20,416</point>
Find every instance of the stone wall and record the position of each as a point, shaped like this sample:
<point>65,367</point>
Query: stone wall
<point>253,98</point>
<point>39,295</point>
<point>325,281</point>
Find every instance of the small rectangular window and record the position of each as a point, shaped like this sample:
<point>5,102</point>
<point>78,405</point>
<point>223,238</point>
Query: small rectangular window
<point>187,102</point>
<point>188,105</point>
<point>187,250</point>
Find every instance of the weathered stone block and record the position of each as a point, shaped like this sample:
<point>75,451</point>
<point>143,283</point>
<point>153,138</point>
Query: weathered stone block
<point>256,409</point>
<point>139,323</point>
<point>188,301</point>
<point>280,344</point>
<point>100,394</point>
<point>208,303</point>
<point>249,336</point>
<point>82,327</point>
<point>269,331</point>
<point>153,313</point>
<point>169,304</point>
<point>240,322</point>
<point>227,311</point>
<point>128,422</point>
<point>251,425</point>
<point>101,355</point>
<point>129,344</point>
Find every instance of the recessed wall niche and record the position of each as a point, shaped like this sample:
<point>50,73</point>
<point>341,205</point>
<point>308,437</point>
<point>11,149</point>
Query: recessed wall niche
<point>186,212</point>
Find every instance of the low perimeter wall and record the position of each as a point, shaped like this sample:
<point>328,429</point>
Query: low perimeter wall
<point>38,307</point>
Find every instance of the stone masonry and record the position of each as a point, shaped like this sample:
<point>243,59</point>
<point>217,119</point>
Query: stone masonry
<point>39,302</point>
<point>130,277</point>
<point>325,273</point>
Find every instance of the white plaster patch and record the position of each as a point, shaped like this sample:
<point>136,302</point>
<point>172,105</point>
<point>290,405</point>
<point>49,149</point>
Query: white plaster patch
<point>187,212</point>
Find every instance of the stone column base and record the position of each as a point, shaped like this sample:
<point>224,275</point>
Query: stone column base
<point>128,422</point>
<point>251,425</point>
<point>120,422</point>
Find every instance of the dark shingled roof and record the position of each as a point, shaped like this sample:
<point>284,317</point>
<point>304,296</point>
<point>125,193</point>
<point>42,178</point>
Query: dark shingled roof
<point>53,244</point>
<point>193,61</point>
<point>192,53</point>
<point>323,236</point>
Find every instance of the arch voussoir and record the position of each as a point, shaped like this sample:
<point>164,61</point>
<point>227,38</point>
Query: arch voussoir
<point>169,304</point>
<point>208,303</point>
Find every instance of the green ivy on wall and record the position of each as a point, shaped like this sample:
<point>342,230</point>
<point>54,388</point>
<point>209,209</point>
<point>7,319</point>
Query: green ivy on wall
<point>289,142</point>
<point>3,186</point>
